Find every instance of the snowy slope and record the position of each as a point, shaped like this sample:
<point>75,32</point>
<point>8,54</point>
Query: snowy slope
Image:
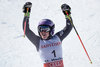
<point>17,51</point>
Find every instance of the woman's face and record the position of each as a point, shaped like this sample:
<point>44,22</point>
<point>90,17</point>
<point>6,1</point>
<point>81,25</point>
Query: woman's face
<point>44,35</point>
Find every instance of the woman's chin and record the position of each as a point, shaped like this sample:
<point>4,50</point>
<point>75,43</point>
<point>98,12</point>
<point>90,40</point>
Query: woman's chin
<point>44,37</point>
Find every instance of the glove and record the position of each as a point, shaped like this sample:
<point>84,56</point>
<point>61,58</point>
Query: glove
<point>66,9</point>
<point>27,5</point>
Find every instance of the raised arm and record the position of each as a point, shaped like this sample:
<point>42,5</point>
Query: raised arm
<point>30,35</point>
<point>63,33</point>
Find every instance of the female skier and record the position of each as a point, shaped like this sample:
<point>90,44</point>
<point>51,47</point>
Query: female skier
<point>48,44</point>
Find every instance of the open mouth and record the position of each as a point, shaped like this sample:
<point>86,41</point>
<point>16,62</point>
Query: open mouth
<point>44,35</point>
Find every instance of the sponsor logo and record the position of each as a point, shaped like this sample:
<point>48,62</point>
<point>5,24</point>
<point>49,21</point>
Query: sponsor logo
<point>51,45</point>
<point>54,64</point>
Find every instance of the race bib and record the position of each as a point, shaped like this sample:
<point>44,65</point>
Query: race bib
<point>51,52</point>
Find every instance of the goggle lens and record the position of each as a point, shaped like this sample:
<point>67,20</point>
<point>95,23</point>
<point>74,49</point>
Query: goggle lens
<point>44,28</point>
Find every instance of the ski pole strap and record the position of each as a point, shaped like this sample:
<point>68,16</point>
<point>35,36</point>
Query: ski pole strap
<point>67,16</point>
<point>27,14</point>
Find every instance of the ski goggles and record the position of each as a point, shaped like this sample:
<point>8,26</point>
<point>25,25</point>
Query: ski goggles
<point>44,28</point>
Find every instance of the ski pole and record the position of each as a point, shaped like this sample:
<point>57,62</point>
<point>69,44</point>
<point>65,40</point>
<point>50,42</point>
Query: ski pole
<point>25,23</point>
<point>24,28</point>
<point>79,37</point>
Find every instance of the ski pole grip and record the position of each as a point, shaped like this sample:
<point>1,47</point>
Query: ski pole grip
<point>66,13</point>
<point>27,10</point>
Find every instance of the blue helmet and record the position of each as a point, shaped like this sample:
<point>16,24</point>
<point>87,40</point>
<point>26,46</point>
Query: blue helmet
<point>49,23</point>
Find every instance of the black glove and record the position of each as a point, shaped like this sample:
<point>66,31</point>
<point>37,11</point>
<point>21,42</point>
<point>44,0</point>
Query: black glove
<point>66,8</point>
<point>27,5</point>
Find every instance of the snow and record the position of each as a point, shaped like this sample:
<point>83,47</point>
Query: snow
<point>17,51</point>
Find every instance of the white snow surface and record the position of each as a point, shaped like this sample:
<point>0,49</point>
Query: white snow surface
<point>17,51</point>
